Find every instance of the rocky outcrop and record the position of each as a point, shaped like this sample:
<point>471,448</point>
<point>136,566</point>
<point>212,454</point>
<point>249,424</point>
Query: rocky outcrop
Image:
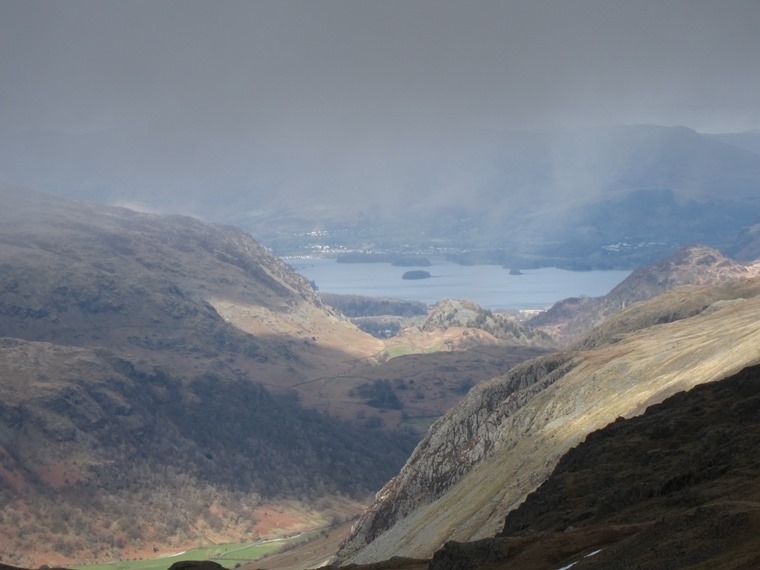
<point>676,487</point>
<point>693,265</point>
<point>459,313</point>
<point>465,436</point>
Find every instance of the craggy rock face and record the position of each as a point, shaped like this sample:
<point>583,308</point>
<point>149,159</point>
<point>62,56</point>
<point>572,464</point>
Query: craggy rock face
<point>452,446</point>
<point>676,487</point>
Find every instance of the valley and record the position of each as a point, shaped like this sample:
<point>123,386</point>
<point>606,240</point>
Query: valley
<point>150,362</point>
<point>169,383</point>
<point>396,285</point>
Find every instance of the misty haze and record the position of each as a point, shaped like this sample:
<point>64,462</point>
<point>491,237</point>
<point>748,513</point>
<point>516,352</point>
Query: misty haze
<point>409,284</point>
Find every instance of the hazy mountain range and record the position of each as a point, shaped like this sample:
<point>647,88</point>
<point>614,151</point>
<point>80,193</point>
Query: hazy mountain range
<point>617,196</point>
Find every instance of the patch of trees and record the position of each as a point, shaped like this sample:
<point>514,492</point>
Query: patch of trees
<point>359,306</point>
<point>416,274</point>
<point>393,259</point>
<point>166,450</point>
<point>380,394</point>
<point>241,436</point>
<point>379,327</point>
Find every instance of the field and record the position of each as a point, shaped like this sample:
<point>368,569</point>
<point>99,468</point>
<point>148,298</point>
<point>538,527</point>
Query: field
<point>228,555</point>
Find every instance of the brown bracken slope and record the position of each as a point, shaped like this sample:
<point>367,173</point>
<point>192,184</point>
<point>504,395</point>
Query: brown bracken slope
<point>163,379</point>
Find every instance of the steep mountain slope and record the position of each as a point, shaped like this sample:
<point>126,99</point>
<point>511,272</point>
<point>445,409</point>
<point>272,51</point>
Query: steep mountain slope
<point>147,367</point>
<point>181,294</point>
<point>570,320</point>
<point>177,375</point>
<point>99,457</point>
<point>677,487</point>
<point>481,460</point>
<point>747,245</point>
<point>83,275</point>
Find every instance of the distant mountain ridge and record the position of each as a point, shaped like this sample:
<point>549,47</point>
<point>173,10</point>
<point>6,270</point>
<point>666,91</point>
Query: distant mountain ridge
<point>747,245</point>
<point>603,197</point>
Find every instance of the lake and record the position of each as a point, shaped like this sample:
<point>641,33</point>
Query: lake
<point>490,286</point>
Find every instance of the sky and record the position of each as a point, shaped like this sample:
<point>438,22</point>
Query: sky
<point>191,98</point>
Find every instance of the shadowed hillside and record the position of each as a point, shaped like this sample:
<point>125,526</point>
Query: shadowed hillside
<point>180,294</point>
<point>677,487</point>
<point>179,377</point>
<point>170,460</point>
<point>147,372</point>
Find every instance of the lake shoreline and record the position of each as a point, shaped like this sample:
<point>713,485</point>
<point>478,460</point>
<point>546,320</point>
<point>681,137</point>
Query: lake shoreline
<point>491,286</point>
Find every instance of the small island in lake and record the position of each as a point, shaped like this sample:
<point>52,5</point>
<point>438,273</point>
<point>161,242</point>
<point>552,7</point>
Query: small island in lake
<point>416,274</point>
<point>514,271</point>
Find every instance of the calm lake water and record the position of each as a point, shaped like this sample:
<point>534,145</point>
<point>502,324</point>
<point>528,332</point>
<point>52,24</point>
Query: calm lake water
<point>490,286</point>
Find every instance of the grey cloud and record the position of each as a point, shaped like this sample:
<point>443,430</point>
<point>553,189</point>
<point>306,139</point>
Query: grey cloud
<point>356,66</point>
<point>286,95</point>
